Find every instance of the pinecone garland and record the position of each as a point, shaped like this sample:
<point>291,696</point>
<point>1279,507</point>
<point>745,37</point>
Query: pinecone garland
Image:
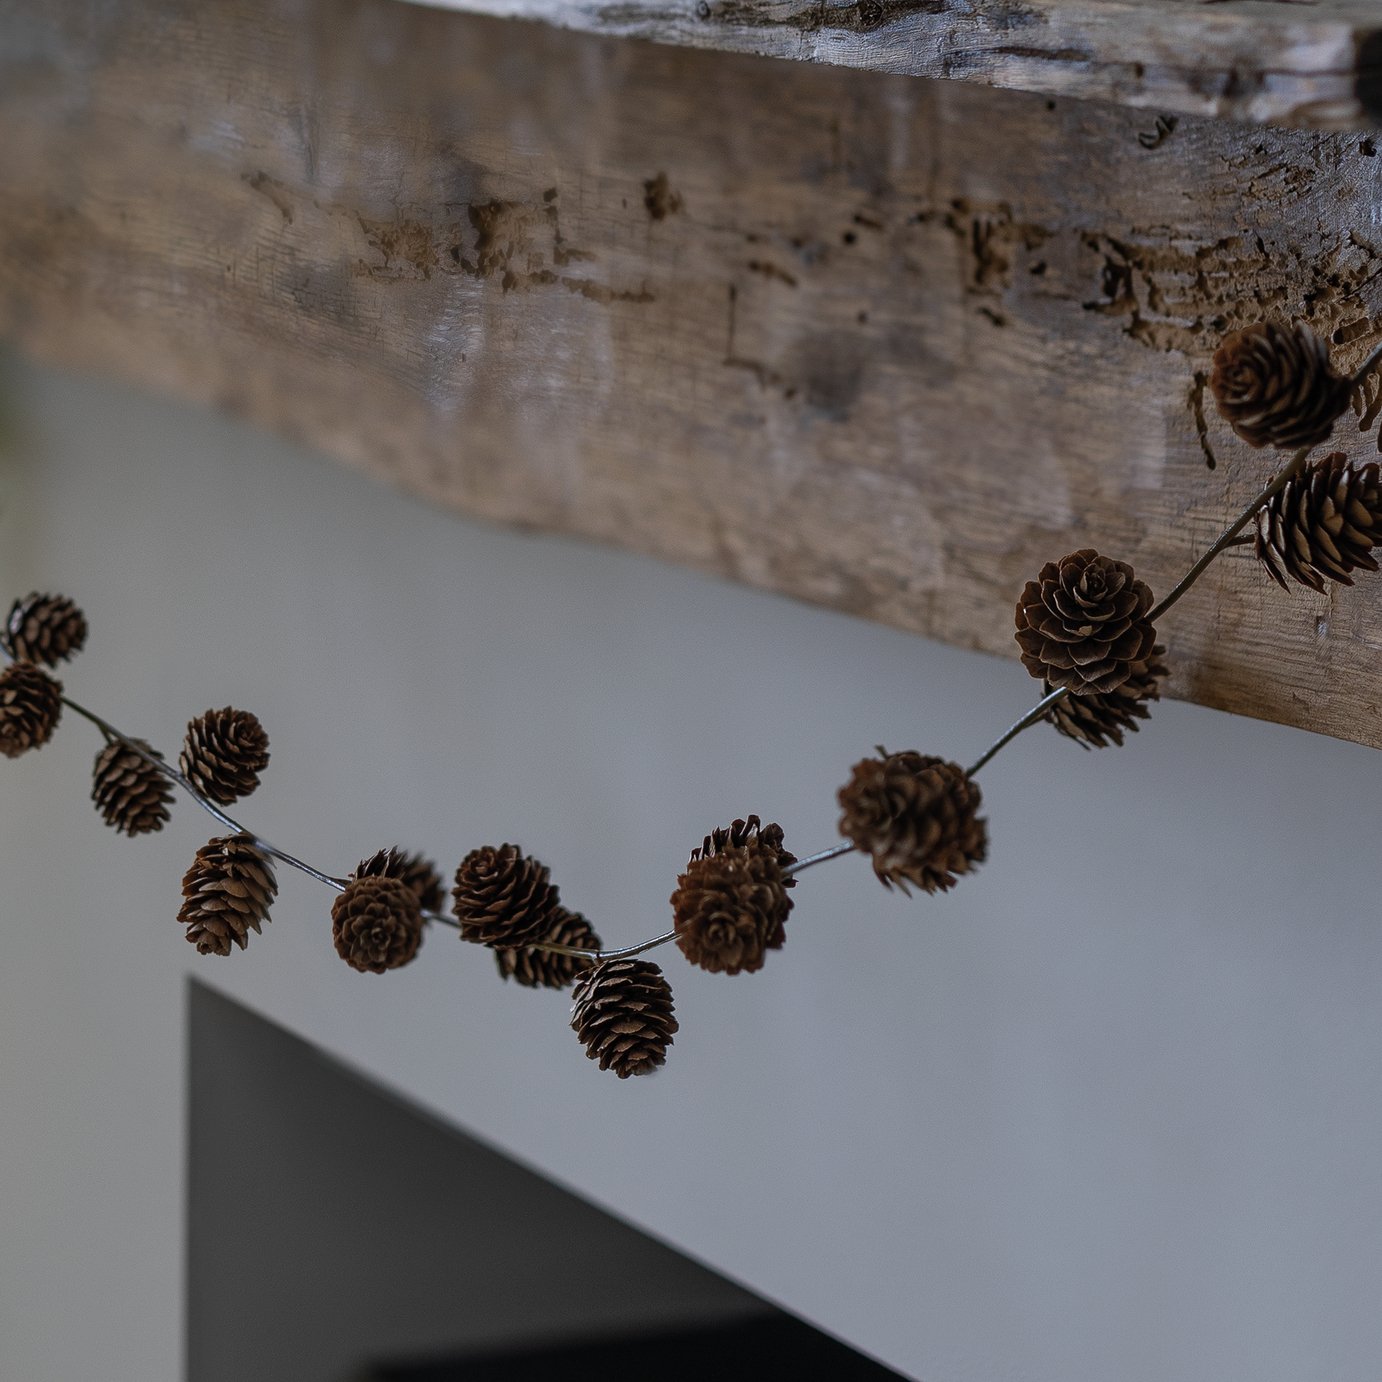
<point>227,893</point>
<point>130,793</point>
<point>622,1013</point>
<point>30,708</point>
<point>44,628</point>
<point>503,897</point>
<point>418,873</point>
<point>1275,386</point>
<point>1083,624</point>
<point>1100,719</point>
<point>729,907</point>
<point>916,815</point>
<point>376,924</point>
<point>223,754</point>
<point>544,968</point>
<point>752,832</point>
<point>1323,524</point>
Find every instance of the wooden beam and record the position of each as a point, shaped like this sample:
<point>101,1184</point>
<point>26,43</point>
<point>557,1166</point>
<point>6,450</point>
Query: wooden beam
<point>1286,62</point>
<point>879,343</point>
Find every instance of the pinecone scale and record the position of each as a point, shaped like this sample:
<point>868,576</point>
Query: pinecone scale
<point>622,1013</point>
<point>131,794</point>
<point>227,894</point>
<point>30,708</point>
<point>45,629</point>
<point>1323,525</point>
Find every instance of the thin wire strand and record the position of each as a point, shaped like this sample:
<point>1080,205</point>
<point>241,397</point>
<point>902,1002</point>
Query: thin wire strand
<point>1229,537</point>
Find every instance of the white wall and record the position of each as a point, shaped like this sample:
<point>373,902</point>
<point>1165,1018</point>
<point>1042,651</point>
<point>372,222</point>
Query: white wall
<point>1109,1110</point>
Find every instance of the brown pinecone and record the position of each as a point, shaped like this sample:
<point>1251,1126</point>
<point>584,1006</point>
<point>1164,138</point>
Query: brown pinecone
<point>1275,386</point>
<point>224,753</point>
<point>730,906</point>
<point>227,893</point>
<point>44,628</point>
<point>130,793</point>
<point>418,873</point>
<point>376,924</point>
<point>765,838</point>
<point>1097,720</point>
<point>30,708</point>
<point>1323,524</point>
<point>622,1012</point>
<point>1083,624</point>
<point>503,897</point>
<point>916,815</point>
<point>545,969</point>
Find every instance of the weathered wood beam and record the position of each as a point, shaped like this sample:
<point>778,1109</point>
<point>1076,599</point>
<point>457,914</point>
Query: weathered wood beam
<point>876,342</point>
<point>1291,62</point>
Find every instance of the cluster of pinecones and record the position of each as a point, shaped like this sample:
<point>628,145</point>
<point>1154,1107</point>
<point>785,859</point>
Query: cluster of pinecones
<point>1084,626</point>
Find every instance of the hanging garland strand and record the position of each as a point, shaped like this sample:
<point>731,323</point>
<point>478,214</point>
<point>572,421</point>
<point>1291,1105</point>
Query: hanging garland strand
<point>1085,627</point>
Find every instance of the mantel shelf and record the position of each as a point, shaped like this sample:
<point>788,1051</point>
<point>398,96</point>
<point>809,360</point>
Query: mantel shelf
<point>882,344</point>
<point>1291,62</point>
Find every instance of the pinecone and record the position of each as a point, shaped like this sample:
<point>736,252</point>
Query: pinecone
<point>1083,624</point>
<point>545,969</point>
<point>1097,720</point>
<point>226,893</point>
<point>917,816</point>
<point>730,906</point>
<point>622,1012</point>
<point>418,873</point>
<point>224,753</point>
<point>766,838</point>
<point>44,628</point>
<point>30,708</point>
<point>503,897</point>
<point>1323,524</point>
<point>376,924</point>
<point>1275,386</point>
<point>130,793</point>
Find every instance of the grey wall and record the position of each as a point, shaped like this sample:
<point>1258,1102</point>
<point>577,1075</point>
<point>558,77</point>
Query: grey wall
<point>1108,1110</point>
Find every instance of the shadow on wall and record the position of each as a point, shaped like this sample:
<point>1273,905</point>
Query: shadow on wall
<point>337,1234</point>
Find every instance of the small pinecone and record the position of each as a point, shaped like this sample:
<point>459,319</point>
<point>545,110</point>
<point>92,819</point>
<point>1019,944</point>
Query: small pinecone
<point>1323,524</point>
<point>418,873</point>
<point>916,815</point>
<point>544,969</point>
<point>1275,386</point>
<point>1083,624</point>
<point>130,793</point>
<point>224,753</point>
<point>30,708</point>
<point>622,1012</point>
<point>765,838</point>
<point>226,893</point>
<point>376,924</point>
<point>1099,720</point>
<point>44,628</point>
<point>503,897</point>
<point>730,906</point>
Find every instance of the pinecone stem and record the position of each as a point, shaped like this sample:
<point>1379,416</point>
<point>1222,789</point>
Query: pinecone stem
<point>1292,468</point>
<point>1360,375</point>
<point>834,852</point>
<point>599,956</point>
<point>1037,712</point>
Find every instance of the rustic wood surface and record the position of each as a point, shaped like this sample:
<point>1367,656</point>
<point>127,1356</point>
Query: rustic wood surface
<point>1292,62</point>
<point>881,343</point>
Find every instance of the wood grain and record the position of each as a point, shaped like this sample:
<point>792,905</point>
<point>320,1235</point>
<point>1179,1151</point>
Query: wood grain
<point>1292,62</point>
<point>880,343</point>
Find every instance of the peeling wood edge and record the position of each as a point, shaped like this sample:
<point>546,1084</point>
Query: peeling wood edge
<point>1094,49</point>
